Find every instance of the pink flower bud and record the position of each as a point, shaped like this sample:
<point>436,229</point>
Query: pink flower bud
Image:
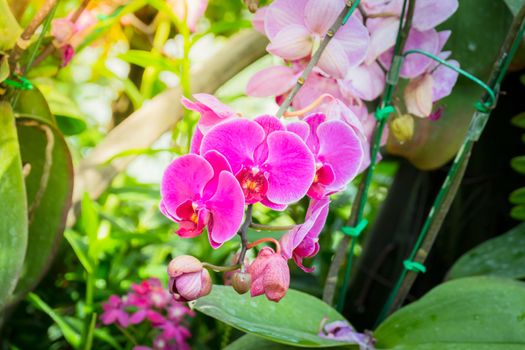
<point>270,275</point>
<point>188,279</point>
<point>241,282</point>
<point>62,29</point>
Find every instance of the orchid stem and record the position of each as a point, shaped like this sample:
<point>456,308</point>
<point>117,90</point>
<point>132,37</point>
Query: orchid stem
<point>243,232</point>
<point>347,10</point>
<point>221,268</point>
<point>308,108</point>
<point>267,239</point>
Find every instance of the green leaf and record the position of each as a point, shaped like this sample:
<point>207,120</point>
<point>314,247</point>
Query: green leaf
<point>4,68</point>
<point>518,212</point>
<point>518,196</point>
<point>462,314</point>
<point>81,250</point>
<point>502,256</point>
<point>519,120</point>
<point>149,59</point>
<point>13,205</point>
<point>49,191</point>
<point>515,5</point>
<point>252,342</point>
<point>295,320</point>
<point>71,336</point>
<point>9,28</point>
<point>518,164</point>
<point>32,104</point>
<point>90,222</point>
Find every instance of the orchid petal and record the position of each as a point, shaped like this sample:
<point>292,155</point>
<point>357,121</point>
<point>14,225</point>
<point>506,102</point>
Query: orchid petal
<point>355,40</point>
<point>382,38</point>
<point>334,60</point>
<point>259,18</point>
<point>282,13</point>
<point>418,96</point>
<point>219,163</point>
<point>300,128</point>
<point>430,13</point>
<point>271,81</point>
<point>291,43</point>
<point>444,80</point>
<point>366,81</point>
<point>319,15</point>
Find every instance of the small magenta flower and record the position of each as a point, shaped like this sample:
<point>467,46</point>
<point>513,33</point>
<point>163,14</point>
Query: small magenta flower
<point>189,280</point>
<point>337,149</point>
<point>272,165</point>
<point>302,241</point>
<point>270,275</point>
<point>201,190</point>
<point>115,312</point>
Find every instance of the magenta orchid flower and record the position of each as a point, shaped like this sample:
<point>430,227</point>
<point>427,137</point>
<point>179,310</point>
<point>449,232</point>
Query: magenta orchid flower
<point>212,110</point>
<point>115,312</point>
<point>189,280</point>
<point>273,166</point>
<point>302,241</point>
<point>201,190</point>
<point>270,275</point>
<point>338,152</point>
<point>294,28</point>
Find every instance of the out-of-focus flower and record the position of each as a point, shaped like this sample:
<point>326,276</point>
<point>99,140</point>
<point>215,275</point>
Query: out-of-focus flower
<point>342,331</point>
<point>115,312</point>
<point>302,241</point>
<point>189,10</point>
<point>402,127</point>
<point>63,30</point>
<point>272,165</point>
<point>270,275</point>
<point>337,149</point>
<point>201,190</point>
<point>295,28</point>
<point>189,280</point>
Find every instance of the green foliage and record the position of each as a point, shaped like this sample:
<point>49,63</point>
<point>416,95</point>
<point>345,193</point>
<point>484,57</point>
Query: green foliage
<point>295,320</point>
<point>252,342</point>
<point>518,164</point>
<point>461,314</point>
<point>502,256</point>
<point>514,5</point>
<point>9,28</point>
<point>13,206</point>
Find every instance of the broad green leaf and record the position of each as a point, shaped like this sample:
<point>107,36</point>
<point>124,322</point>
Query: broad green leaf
<point>515,5</point>
<point>252,342</point>
<point>518,212</point>
<point>81,250</point>
<point>518,196</point>
<point>295,320</point>
<point>70,334</point>
<point>519,120</point>
<point>13,206</point>
<point>501,256</point>
<point>32,104</point>
<point>459,346</point>
<point>9,28</point>
<point>149,59</point>
<point>4,68</point>
<point>469,312</point>
<point>518,164</point>
<point>49,186</point>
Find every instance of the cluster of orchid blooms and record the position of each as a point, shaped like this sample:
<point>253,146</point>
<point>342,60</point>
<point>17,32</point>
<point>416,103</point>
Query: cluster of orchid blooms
<point>314,151</point>
<point>149,305</point>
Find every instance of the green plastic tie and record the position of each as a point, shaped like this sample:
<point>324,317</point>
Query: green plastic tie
<point>353,5</point>
<point>414,266</point>
<point>383,113</point>
<point>22,83</point>
<point>356,231</point>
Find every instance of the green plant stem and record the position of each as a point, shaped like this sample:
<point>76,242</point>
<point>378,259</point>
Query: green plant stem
<point>362,195</point>
<point>127,334</point>
<point>450,186</point>
<point>261,227</point>
<point>349,8</point>
<point>151,73</point>
<point>221,268</point>
<point>243,232</point>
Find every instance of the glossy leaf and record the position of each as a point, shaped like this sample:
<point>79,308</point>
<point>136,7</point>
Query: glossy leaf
<point>518,212</point>
<point>13,205</point>
<point>501,256</point>
<point>49,190</point>
<point>32,104</point>
<point>252,342</point>
<point>295,320</point>
<point>518,164</point>
<point>518,196</point>
<point>515,5</point>
<point>462,314</point>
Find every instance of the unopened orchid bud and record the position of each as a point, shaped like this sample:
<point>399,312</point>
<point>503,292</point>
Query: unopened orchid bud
<point>62,29</point>
<point>189,280</point>
<point>402,128</point>
<point>241,282</point>
<point>270,275</point>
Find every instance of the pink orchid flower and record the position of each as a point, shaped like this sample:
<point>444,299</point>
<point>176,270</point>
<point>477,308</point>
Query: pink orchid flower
<point>115,312</point>
<point>302,241</point>
<point>295,27</point>
<point>189,280</point>
<point>272,165</point>
<point>270,275</point>
<point>338,152</point>
<point>212,110</point>
<point>383,31</point>
<point>189,10</point>
<point>201,190</point>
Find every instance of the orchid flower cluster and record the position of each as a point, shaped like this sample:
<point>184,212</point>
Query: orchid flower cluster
<point>147,306</point>
<point>352,67</point>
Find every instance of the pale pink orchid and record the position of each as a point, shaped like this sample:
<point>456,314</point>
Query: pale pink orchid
<point>338,151</point>
<point>272,165</point>
<point>201,190</point>
<point>115,312</point>
<point>342,331</point>
<point>189,280</point>
<point>270,275</point>
<point>190,11</point>
<point>302,241</point>
<point>295,28</point>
